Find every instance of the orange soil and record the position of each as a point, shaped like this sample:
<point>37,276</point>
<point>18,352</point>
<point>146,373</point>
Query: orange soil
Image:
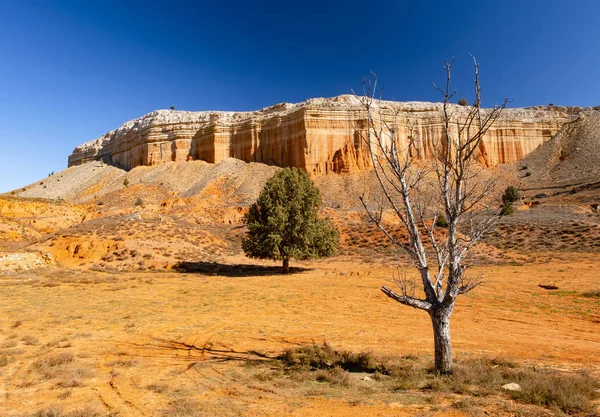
<point>110,324</point>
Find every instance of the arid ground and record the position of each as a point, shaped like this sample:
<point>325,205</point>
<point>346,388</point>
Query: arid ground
<point>137,301</point>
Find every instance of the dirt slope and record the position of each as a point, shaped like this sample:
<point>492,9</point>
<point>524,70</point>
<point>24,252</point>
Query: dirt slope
<point>571,158</point>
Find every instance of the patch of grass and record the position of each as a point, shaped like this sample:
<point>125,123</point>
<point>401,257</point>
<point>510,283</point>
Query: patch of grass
<point>335,376</point>
<point>570,393</point>
<point>126,363</point>
<point>183,407</point>
<point>60,359</point>
<point>158,387</point>
<point>481,377</point>
<point>592,294</point>
<point>30,340</point>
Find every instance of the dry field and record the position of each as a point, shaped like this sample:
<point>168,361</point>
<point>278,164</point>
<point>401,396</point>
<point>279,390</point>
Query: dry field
<point>146,306</point>
<point>75,342</point>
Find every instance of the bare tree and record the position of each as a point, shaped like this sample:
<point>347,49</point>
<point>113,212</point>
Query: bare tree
<point>419,188</point>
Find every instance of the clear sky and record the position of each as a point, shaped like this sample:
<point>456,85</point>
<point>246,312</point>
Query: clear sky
<point>72,70</point>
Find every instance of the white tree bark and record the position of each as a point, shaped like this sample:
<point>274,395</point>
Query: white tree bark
<point>418,193</point>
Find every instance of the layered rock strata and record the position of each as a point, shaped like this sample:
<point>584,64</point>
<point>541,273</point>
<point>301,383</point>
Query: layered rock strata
<point>318,135</point>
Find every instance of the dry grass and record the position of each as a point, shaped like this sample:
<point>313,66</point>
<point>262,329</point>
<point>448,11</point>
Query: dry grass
<point>572,393</point>
<point>58,412</point>
<point>59,359</point>
<point>591,294</point>
<point>183,407</point>
<point>365,366</point>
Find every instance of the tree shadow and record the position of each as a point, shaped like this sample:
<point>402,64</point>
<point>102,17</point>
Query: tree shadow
<point>234,270</point>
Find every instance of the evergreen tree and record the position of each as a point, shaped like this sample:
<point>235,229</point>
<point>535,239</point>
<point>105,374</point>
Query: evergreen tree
<point>284,223</point>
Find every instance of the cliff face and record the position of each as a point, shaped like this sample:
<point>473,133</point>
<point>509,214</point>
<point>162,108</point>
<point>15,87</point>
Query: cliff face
<point>319,135</point>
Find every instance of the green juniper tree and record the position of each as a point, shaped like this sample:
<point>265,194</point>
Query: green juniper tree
<point>284,223</point>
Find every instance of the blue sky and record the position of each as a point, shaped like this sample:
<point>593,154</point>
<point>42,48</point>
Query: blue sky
<point>72,70</point>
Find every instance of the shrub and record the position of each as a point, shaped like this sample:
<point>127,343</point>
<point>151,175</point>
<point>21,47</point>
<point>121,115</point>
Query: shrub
<point>139,201</point>
<point>507,209</point>
<point>325,357</point>
<point>125,182</point>
<point>570,393</point>
<point>528,174</point>
<point>511,194</point>
<point>591,294</point>
<point>463,102</point>
<point>60,359</point>
<point>441,221</point>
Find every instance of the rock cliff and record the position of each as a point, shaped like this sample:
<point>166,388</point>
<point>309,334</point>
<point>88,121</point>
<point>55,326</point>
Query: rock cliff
<point>318,135</point>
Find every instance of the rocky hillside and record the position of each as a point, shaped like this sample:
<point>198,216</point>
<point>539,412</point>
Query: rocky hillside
<point>571,158</point>
<point>318,135</point>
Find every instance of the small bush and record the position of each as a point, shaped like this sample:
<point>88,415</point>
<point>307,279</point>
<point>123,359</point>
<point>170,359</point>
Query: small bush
<point>30,340</point>
<point>507,209</point>
<point>463,102</point>
<point>325,357</point>
<point>158,387</point>
<point>528,174</point>
<point>570,393</point>
<point>592,294</point>
<point>125,182</point>
<point>60,359</point>
<point>441,221</point>
<point>335,376</point>
<point>139,201</point>
<point>182,407</point>
<point>511,194</point>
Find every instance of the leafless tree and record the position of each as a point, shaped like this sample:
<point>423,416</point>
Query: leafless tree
<point>420,188</point>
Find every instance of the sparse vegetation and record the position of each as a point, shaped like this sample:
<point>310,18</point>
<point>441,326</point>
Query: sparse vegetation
<point>126,182</point>
<point>59,359</point>
<point>325,357</point>
<point>511,195</point>
<point>463,102</point>
<point>571,393</point>
<point>441,221</point>
<point>507,209</point>
<point>139,202</point>
<point>592,294</point>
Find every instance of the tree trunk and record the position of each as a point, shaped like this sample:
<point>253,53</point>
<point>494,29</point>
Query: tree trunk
<point>286,266</point>
<point>440,319</point>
